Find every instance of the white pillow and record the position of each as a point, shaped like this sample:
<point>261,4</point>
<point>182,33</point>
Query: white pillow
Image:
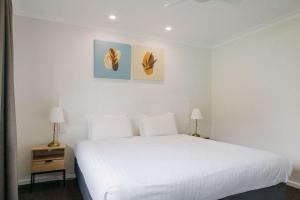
<point>112,126</point>
<point>158,125</point>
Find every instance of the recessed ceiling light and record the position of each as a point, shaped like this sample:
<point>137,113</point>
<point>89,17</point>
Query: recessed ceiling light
<point>166,4</point>
<point>112,17</point>
<point>168,28</point>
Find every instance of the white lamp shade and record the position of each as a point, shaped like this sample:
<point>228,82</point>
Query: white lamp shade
<point>56,115</point>
<point>196,114</point>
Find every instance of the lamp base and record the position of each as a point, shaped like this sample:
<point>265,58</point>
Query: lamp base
<point>196,135</point>
<point>53,144</point>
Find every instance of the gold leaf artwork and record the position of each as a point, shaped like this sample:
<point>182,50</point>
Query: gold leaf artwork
<point>112,58</point>
<point>148,62</point>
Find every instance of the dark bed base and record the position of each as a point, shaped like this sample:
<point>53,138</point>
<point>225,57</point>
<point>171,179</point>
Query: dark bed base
<point>277,192</point>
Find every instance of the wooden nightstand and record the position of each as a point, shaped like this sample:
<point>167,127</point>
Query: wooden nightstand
<point>47,160</point>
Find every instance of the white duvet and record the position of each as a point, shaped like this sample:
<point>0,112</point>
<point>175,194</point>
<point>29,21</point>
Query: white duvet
<point>175,167</point>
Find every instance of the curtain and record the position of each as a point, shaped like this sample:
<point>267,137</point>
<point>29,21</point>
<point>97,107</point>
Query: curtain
<point>8,135</point>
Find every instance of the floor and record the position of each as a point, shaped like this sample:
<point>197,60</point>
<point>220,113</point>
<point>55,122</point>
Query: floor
<point>55,190</point>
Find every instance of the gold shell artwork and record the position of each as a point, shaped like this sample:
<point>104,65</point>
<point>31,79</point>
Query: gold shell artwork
<point>148,62</point>
<point>112,58</point>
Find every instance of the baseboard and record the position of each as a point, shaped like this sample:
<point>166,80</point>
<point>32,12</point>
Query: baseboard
<point>293,184</point>
<point>45,178</point>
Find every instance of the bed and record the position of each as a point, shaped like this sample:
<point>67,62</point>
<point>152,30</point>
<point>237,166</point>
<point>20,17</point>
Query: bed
<point>177,167</point>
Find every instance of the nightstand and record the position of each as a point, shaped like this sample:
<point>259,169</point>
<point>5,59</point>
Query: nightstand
<point>48,160</point>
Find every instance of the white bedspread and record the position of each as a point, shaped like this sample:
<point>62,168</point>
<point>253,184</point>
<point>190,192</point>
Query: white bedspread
<point>176,167</point>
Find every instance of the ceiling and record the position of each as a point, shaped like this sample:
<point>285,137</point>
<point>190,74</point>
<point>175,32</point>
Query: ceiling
<point>205,24</point>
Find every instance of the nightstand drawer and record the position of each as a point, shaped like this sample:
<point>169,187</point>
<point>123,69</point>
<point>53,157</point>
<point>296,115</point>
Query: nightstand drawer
<point>47,165</point>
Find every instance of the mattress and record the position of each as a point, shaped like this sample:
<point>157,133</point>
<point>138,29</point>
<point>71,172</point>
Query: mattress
<point>175,167</point>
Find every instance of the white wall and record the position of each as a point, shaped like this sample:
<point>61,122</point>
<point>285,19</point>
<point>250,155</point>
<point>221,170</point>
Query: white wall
<point>256,91</point>
<point>57,59</point>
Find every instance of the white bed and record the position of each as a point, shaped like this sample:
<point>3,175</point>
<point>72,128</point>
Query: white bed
<point>175,167</point>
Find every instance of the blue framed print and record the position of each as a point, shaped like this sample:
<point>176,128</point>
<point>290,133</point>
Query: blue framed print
<point>112,60</point>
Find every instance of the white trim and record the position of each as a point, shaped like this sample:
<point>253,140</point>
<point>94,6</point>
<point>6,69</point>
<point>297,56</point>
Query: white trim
<point>293,184</point>
<point>261,27</point>
<point>40,179</point>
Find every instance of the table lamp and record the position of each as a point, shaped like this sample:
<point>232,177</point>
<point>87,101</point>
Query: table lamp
<point>56,116</point>
<point>196,115</point>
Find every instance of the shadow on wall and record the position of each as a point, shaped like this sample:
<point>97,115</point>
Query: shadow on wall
<point>296,175</point>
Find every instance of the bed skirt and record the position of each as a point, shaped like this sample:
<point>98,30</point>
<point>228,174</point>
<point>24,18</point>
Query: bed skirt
<point>277,192</point>
<point>81,183</point>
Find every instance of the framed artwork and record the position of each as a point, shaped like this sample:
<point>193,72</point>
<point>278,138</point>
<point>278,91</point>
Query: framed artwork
<point>112,60</point>
<point>148,63</point>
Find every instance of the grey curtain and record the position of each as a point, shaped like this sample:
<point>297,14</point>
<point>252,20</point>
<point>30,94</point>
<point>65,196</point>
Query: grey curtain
<point>8,138</point>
